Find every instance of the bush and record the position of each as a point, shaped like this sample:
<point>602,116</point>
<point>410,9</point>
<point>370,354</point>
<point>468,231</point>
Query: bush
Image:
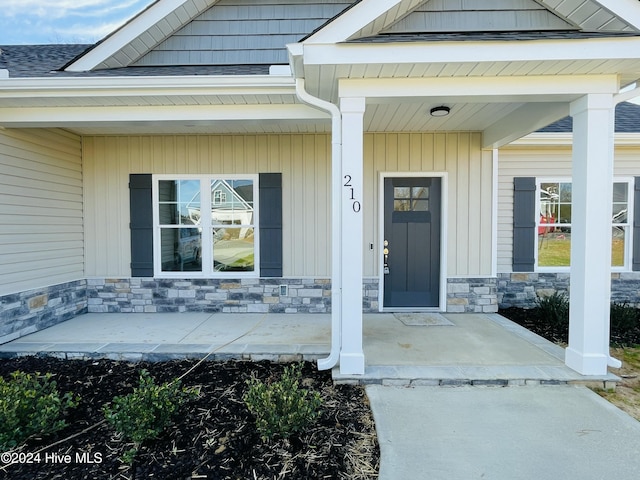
<point>282,408</point>
<point>146,412</point>
<point>624,323</point>
<point>30,404</point>
<point>554,310</point>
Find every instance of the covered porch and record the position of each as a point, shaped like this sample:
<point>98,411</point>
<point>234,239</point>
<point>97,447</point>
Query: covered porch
<point>401,349</point>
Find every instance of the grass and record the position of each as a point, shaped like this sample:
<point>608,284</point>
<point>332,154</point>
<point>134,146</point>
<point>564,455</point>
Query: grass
<point>556,252</point>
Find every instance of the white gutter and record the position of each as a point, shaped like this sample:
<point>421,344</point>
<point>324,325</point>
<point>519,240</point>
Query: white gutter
<point>336,230</point>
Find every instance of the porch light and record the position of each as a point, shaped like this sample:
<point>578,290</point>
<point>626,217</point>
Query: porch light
<point>441,111</point>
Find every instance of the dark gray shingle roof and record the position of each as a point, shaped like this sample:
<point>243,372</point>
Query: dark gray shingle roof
<point>627,120</point>
<point>46,60</point>
<point>488,36</point>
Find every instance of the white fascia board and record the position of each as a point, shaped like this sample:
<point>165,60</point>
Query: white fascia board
<point>523,121</point>
<point>627,10</point>
<point>48,116</point>
<point>565,139</point>
<point>145,86</point>
<point>473,52</point>
<point>125,35</point>
<point>564,85</point>
<point>352,21</point>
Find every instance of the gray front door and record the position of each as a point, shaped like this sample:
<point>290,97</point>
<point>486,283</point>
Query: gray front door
<point>412,242</point>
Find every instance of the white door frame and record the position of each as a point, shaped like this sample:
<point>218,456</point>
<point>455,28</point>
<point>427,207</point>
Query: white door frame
<point>444,204</point>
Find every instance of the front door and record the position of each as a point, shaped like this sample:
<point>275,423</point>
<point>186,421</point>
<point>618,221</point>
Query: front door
<point>412,242</point>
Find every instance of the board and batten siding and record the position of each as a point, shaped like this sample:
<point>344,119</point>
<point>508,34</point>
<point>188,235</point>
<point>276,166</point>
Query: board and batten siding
<point>41,209</point>
<point>304,161</point>
<point>540,161</point>
<point>469,170</point>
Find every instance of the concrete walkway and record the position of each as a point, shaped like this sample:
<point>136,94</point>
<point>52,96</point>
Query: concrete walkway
<point>515,433</point>
<point>542,427</point>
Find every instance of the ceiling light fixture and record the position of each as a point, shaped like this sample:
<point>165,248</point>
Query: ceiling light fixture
<point>441,111</point>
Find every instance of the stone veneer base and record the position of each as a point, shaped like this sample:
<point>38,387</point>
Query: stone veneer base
<point>32,310</point>
<point>522,289</point>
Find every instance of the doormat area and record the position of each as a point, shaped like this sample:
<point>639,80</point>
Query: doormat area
<point>422,319</point>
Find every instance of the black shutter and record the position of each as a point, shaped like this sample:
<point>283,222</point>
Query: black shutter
<point>141,208</point>
<point>635,262</point>
<point>524,223</point>
<point>270,224</point>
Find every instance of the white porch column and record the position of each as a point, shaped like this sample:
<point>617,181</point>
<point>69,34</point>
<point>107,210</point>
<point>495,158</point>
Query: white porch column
<point>593,120</point>
<point>352,355</point>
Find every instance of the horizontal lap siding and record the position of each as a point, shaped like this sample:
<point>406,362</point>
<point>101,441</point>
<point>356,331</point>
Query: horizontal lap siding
<point>303,161</point>
<point>41,212</point>
<point>469,201</point>
<point>239,32</point>
<point>540,162</point>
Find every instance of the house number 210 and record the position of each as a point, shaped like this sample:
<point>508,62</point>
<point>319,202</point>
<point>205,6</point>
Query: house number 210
<point>356,204</point>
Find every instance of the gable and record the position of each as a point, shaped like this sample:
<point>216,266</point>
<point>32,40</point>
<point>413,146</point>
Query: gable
<point>479,15</point>
<point>237,32</point>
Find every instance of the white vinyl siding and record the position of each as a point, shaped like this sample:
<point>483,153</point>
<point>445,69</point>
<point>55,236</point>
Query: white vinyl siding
<point>539,161</point>
<point>41,213</point>
<point>305,164</point>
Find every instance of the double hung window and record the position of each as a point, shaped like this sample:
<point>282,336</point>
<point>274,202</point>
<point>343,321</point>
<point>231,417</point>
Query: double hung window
<point>553,223</point>
<point>205,225</point>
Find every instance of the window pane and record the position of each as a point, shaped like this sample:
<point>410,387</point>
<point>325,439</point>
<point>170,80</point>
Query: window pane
<point>233,249</point>
<point>618,235</point>
<point>232,202</point>
<point>420,192</point>
<point>420,205</point>
<point>620,192</point>
<point>179,202</point>
<point>619,213</point>
<point>565,213</point>
<point>565,192</point>
<point>180,249</point>
<point>401,192</point>
<point>401,205</point>
<point>554,247</point>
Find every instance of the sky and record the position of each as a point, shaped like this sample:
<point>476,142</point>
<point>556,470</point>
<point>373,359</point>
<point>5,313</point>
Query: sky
<point>29,22</point>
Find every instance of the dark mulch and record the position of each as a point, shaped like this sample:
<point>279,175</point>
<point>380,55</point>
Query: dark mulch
<point>213,438</point>
<point>625,330</point>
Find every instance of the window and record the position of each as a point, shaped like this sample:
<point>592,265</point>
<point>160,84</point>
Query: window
<point>553,224</point>
<point>205,226</point>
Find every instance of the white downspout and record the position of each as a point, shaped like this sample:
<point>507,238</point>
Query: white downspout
<point>336,229</point>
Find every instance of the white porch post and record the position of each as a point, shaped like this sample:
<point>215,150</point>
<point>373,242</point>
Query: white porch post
<point>352,355</point>
<point>588,351</point>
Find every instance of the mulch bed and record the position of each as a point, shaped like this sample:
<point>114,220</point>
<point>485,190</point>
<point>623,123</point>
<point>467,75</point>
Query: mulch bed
<point>213,438</point>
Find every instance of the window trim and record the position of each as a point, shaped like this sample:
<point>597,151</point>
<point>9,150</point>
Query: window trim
<point>628,248</point>
<point>206,198</point>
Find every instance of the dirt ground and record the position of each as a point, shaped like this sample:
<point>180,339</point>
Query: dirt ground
<point>627,394</point>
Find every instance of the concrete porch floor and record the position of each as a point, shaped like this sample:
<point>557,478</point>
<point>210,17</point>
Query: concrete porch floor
<point>477,349</point>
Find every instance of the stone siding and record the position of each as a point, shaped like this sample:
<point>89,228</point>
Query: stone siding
<point>245,295</point>
<point>477,295</point>
<point>32,310</point>
<point>523,289</point>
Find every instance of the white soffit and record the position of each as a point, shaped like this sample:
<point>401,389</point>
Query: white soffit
<point>140,34</point>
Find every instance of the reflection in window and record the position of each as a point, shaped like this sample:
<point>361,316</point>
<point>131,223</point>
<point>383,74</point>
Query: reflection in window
<point>554,224</point>
<point>410,199</point>
<point>219,221</point>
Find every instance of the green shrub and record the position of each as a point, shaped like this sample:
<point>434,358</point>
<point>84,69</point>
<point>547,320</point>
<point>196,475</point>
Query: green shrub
<point>282,408</point>
<point>30,404</point>
<point>554,311</point>
<point>624,323</point>
<point>146,412</point>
